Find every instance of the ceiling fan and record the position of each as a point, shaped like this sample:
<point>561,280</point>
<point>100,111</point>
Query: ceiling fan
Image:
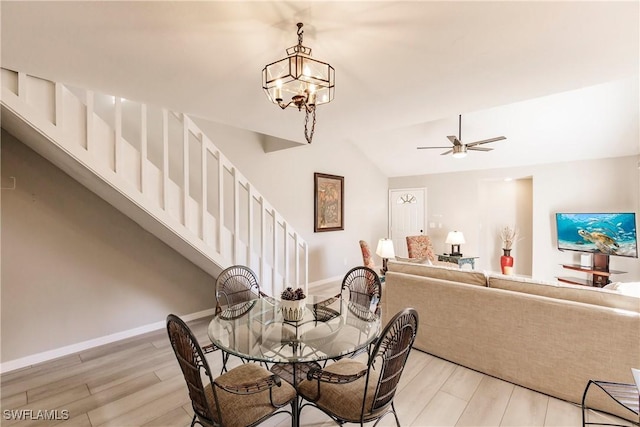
<point>459,149</point>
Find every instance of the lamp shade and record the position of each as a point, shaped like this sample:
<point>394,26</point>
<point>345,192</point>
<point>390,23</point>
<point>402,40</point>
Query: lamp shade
<point>385,248</point>
<point>455,238</point>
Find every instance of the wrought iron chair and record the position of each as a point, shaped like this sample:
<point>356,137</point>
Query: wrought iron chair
<point>363,286</point>
<point>363,289</point>
<point>234,285</point>
<point>237,284</point>
<point>245,396</point>
<point>350,391</point>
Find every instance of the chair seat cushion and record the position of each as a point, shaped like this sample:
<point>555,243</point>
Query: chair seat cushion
<point>240,411</point>
<point>343,400</point>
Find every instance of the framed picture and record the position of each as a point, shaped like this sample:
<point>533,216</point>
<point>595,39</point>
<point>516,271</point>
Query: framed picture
<point>328,202</point>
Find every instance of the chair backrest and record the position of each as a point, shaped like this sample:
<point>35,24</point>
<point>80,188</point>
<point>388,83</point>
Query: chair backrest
<point>420,247</point>
<point>236,284</point>
<point>390,356</point>
<point>363,285</point>
<point>367,259</point>
<point>192,362</point>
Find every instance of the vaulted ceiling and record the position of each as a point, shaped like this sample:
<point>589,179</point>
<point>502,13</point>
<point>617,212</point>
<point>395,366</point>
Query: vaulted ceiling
<point>558,79</point>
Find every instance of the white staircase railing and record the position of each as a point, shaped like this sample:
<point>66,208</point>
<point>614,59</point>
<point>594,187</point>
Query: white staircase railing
<point>163,164</point>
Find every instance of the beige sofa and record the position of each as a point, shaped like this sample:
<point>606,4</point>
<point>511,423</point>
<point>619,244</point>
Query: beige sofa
<point>547,337</point>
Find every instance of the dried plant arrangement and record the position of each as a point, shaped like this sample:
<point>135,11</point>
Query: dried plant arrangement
<point>290,295</point>
<point>508,235</point>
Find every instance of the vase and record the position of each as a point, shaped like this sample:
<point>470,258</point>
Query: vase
<point>506,262</point>
<point>293,310</point>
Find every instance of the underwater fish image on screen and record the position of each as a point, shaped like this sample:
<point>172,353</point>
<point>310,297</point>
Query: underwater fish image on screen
<point>606,233</point>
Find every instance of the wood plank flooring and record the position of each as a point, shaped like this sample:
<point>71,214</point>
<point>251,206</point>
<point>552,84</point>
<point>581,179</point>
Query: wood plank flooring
<point>137,382</point>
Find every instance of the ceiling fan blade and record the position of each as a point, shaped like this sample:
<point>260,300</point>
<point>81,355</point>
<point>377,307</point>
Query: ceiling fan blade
<point>486,141</point>
<point>454,140</point>
<point>479,148</point>
<point>446,152</point>
<point>426,148</point>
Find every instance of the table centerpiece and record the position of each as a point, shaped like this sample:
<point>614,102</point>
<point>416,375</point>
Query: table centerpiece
<point>293,303</point>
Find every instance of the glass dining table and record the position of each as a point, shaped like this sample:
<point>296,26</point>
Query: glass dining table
<point>330,328</point>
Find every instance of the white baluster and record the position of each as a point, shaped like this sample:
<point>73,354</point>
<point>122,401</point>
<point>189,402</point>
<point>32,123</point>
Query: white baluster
<point>165,159</point>
<point>185,172</point>
<point>59,105</point>
<point>203,187</point>
<point>143,147</point>
<point>118,141</point>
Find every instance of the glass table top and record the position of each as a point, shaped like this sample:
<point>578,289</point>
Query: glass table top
<point>331,327</point>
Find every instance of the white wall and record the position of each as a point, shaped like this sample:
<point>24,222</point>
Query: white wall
<point>604,185</point>
<point>285,178</point>
<point>75,269</point>
<point>506,203</point>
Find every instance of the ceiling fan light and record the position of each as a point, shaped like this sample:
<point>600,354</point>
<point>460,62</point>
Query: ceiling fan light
<point>459,151</point>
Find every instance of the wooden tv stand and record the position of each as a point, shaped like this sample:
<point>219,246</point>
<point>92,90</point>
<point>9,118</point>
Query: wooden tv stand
<point>599,272</point>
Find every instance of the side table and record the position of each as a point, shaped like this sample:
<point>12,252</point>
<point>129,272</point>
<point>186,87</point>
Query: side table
<point>460,260</point>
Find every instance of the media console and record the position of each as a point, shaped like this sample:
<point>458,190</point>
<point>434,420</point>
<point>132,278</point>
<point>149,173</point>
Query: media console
<point>599,272</point>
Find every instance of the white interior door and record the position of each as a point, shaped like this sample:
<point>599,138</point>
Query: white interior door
<point>406,216</point>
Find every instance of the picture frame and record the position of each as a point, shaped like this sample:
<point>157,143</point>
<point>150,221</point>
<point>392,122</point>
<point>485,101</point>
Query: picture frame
<point>328,202</point>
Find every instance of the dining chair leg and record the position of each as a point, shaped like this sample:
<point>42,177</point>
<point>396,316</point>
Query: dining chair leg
<point>295,412</point>
<point>395,414</point>
<point>225,359</point>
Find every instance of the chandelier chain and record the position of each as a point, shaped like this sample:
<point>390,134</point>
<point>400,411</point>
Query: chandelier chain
<point>309,136</point>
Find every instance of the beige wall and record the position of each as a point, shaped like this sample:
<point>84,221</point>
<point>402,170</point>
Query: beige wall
<point>75,269</point>
<point>603,185</point>
<point>285,178</point>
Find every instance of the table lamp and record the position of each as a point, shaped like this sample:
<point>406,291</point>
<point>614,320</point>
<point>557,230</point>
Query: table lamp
<point>385,251</point>
<point>455,239</point>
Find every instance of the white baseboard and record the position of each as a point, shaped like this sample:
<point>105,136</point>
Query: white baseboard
<point>325,281</point>
<point>45,356</point>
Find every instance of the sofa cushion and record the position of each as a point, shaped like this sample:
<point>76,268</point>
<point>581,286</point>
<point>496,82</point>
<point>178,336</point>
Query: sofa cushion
<point>440,272</point>
<point>578,293</point>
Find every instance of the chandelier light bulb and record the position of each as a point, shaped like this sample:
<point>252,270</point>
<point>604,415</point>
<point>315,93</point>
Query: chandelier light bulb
<point>312,94</point>
<point>279,89</point>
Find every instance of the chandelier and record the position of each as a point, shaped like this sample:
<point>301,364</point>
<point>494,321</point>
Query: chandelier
<point>299,81</point>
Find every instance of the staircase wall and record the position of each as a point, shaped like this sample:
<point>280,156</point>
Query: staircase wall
<point>76,272</point>
<point>161,170</point>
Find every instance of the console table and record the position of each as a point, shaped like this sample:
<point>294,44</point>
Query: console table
<point>460,260</point>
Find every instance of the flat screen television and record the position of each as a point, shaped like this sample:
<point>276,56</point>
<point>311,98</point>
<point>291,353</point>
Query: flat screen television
<point>600,233</point>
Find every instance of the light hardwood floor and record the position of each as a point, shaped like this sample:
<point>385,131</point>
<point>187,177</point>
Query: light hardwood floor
<point>138,382</point>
